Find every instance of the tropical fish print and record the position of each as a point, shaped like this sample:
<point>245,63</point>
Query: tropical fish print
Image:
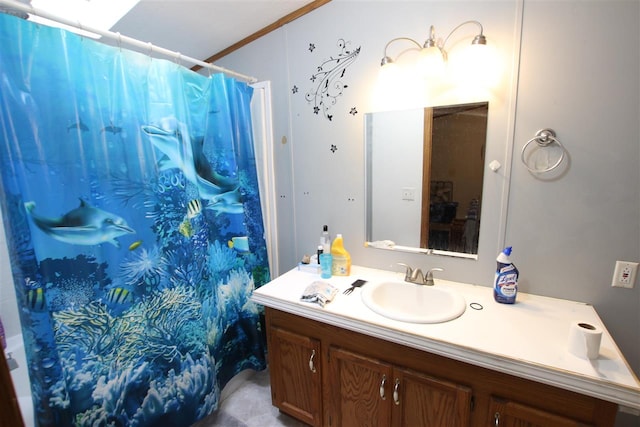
<point>240,244</point>
<point>35,299</point>
<point>185,228</point>
<point>194,207</point>
<point>135,245</point>
<point>119,296</point>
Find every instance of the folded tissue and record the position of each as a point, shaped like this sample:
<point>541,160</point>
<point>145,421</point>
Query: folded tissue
<point>319,292</point>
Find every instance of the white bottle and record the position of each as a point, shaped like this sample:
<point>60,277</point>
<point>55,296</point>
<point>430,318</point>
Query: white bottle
<point>325,240</point>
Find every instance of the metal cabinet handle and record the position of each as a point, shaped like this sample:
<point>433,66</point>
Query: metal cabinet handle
<point>382,384</point>
<point>312,366</point>
<point>496,419</point>
<point>396,395</point>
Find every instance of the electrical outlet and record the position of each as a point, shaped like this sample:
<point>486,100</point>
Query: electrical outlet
<point>624,276</point>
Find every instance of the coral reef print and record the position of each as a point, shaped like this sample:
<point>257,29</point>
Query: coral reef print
<point>328,78</point>
<point>132,214</point>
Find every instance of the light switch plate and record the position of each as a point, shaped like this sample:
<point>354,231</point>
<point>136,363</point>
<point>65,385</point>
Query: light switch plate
<point>408,193</point>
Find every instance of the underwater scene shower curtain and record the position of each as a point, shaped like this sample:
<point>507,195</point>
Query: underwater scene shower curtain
<point>130,201</point>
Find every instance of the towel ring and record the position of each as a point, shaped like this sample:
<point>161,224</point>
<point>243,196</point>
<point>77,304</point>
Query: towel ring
<point>543,138</point>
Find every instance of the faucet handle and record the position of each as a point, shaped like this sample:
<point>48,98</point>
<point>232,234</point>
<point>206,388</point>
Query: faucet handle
<point>428,280</point>
<point>408,271</point>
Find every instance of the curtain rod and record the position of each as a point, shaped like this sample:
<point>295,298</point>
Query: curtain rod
<point>28,8</point>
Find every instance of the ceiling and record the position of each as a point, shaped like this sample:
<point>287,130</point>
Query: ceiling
<point>202,28</point>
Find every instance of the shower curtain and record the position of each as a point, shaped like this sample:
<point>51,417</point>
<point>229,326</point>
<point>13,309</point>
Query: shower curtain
<point>130,200</point>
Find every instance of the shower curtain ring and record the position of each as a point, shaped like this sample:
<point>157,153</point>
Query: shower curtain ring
<point>79,25</point>
<point>119,41</point>
<point>150,49</point>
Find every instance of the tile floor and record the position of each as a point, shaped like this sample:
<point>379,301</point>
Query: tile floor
<point>246,402</point>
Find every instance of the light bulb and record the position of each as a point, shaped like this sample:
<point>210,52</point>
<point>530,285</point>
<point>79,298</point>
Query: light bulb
<point>476,65</point>
<point>397,88</point>
<point>388,74</point>
<point>430,63</point>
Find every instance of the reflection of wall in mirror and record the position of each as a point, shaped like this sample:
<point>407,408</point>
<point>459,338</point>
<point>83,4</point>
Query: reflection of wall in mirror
<point>397,159</point>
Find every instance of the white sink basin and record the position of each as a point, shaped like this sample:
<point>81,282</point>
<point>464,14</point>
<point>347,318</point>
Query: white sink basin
<point>409,302</point>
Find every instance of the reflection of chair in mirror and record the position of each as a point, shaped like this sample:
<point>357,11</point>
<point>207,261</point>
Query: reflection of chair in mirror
<point>442,213</point>
<point>456,236</point>
<point>448,233</point>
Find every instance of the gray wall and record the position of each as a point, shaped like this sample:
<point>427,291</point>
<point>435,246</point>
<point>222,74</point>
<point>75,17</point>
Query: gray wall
<point>578,73</point>
<point>570,229</point>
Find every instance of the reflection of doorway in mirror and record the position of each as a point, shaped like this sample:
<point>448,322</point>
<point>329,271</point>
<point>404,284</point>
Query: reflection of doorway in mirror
<point>455,178</point>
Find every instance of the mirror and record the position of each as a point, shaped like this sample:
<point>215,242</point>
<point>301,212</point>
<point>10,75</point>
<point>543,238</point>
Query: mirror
<point>424,175</point>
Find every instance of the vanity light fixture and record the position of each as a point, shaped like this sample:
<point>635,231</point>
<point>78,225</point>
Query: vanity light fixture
<point>432,54</point>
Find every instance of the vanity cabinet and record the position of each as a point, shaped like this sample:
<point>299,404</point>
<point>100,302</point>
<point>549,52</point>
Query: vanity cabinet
<point>507,413</point>
<point>329,376</point>
<point>296,390</point>
<point>368,391</point>
<point>359,390</point>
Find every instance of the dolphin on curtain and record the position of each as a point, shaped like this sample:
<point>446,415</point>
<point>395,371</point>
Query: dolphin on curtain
<point>185,152</point>
<point>84,225</point>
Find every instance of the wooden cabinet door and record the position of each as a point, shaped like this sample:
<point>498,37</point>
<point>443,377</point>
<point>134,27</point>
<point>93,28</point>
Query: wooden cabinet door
<point>360,392</point>
<point>506,413</point>
<point>296,380</point>
<point>422,400</point>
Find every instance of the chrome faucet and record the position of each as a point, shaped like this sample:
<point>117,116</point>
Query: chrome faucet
<point>429,279</point>
<point>416,276</point>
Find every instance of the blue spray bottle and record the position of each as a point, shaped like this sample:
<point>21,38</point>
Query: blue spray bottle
<point>505,287</point>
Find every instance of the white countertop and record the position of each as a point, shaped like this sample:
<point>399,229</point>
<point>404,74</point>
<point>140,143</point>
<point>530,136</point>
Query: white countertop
<point>528,339</point>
